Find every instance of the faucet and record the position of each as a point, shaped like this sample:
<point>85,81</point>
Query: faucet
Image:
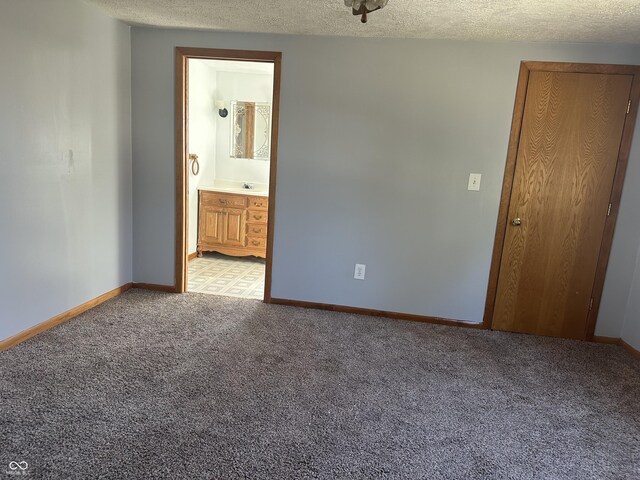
<point>248,186</point>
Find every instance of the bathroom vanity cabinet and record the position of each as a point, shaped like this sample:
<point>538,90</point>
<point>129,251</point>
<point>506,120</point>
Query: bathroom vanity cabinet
<point>232,224</point>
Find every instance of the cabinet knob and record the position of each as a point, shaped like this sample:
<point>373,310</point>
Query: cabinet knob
<point>516,222</point>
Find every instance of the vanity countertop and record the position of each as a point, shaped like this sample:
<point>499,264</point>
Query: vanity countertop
<point>252,192</point>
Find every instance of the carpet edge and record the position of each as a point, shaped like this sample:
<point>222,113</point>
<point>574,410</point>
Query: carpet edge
<point>38,328</point>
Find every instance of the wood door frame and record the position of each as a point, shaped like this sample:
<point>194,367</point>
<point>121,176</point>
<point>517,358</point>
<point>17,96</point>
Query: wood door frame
<point>526,68</point>
<point>183,54</point>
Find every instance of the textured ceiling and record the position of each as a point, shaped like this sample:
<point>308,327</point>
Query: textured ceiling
<point>522,20</point>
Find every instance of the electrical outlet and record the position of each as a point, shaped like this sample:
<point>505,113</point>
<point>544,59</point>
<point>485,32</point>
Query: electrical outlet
<point>359,272</point>
<point>474,181</point>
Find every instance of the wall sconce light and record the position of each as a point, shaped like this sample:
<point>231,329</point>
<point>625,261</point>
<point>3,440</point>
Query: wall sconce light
<point>222,111</point>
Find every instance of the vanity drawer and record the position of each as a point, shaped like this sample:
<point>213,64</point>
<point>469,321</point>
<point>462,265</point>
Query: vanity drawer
<point>257,230</point>
<point>224,199</point>
<point>256,242</point>
<point>259,203</point>
<point>257,216</point>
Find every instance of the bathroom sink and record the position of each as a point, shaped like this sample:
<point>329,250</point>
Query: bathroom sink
<point>258,191</point>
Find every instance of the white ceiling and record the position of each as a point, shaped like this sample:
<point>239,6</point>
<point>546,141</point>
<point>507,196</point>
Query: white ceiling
<point>522,20</point>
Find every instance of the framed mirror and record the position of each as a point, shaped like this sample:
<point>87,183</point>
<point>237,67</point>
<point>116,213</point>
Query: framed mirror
<point>250,130</point>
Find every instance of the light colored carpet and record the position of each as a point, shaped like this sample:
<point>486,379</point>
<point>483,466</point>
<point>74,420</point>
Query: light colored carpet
<point>218,274</point>
<point>155,386</point>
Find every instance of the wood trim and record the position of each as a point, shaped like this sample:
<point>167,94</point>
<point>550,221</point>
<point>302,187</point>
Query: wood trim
<point>623,157</point>
<point>634,352</point>
<point>273,170</point>
<point>569,67</point>
<point>192,256</point>
<point>607,340</point>
<point>156,287</point>
<point>375,313</point>
<point>618,341</point>
<point>229,54</point>
<point>182,219</point>
<point>233,251</point>
<point>61,318</point>
<point>614,199</point>
<point>505,198</point>
<point>181,112</point>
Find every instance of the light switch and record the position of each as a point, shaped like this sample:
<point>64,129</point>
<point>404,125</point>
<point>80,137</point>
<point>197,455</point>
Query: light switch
<point>474,181</point>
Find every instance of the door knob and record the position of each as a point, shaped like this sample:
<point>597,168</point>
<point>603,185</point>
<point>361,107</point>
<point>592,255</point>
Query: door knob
<point>516,222</point>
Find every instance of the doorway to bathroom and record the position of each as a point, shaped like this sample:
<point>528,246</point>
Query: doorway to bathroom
<point>226,127</point>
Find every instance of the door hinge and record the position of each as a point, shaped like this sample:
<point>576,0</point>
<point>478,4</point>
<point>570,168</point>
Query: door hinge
<point>629,107</point>
<point>609,210</point>
<point>591,304</point>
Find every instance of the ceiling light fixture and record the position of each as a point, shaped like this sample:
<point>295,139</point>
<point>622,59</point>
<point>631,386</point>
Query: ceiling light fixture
<point>362,7</point>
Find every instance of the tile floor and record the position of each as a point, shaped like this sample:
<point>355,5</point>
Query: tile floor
<point>230,276</point>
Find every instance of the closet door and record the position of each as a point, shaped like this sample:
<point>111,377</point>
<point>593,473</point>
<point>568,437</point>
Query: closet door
<point>570,137</point>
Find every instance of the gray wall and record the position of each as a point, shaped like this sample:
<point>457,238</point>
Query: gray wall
<point>65,151</point>
<point>377,139</point>
<point>620,303</point>
<point>631,328</point>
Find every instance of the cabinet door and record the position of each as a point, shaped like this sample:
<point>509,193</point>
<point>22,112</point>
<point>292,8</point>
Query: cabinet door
<point>235,227</point>
<point>211,227</point>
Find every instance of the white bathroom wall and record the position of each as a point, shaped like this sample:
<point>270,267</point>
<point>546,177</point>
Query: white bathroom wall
<point>246,87</point>
<point>65,150</point>
<point>210,134</point>
<point>202,136</point>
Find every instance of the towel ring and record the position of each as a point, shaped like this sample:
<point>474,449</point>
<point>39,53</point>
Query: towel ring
<point>195,165</point>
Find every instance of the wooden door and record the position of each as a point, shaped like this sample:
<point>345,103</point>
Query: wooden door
<point>570,137</point>
<point>235,231</point>
<point>211,227</point>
